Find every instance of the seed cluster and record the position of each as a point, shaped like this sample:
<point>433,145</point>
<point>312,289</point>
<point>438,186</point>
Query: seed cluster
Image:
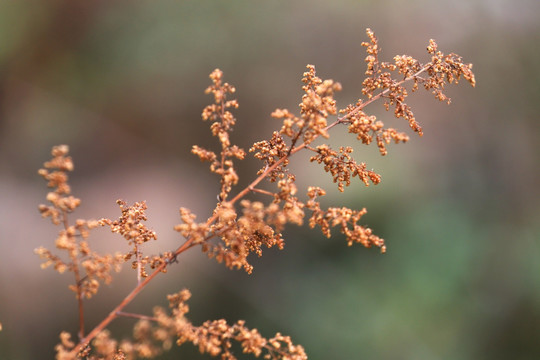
<point>222,124</point>
<point>154,334</point>
<point>343,167</point>
<point>380,82</point>
<point>130,226</point>
<point>88,266</point>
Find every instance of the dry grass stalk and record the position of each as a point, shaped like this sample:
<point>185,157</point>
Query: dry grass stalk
<point>239,226</point>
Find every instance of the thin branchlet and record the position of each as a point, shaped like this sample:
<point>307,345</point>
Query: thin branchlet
<point>248,221</point>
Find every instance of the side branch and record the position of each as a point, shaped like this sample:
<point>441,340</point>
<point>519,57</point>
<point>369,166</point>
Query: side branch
<point>343,119</point>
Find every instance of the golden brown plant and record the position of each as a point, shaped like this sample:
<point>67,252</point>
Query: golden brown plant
<point>239,226</point>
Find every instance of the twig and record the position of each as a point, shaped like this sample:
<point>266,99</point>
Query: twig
<point>78,282</point>
<point>136,316</point>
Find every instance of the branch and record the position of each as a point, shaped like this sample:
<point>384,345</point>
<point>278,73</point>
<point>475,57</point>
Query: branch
<point>117,311</point>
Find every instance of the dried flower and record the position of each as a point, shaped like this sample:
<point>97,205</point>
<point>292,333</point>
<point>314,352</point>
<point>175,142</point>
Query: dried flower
<point>246,222</point>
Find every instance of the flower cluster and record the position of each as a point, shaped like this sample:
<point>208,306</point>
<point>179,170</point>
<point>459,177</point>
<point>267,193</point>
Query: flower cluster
<point>89,267</point>
<point>130,226</point>
<point>380,83</point>
<point>342,166</point>
<point>445,69</point>
<point>154,334</point>
<point>222,123</point>
<point>317,104</point>
<point>55,172</point>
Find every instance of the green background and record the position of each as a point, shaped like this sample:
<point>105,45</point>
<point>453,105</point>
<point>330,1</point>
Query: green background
<point>121,82</point>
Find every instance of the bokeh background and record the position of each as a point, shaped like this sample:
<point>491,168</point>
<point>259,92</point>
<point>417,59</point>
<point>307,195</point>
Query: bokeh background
<point>121,82</point>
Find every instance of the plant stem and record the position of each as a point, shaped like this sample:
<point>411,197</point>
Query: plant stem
<point>117,310</point>
<point>138,257</point>
<point>136,316</point>
<point>77,281</point>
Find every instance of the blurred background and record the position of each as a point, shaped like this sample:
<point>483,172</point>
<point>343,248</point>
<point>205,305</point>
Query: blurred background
<point>122,82</point>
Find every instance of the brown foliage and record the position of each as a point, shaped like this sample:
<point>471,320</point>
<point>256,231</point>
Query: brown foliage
<point>239,226</point>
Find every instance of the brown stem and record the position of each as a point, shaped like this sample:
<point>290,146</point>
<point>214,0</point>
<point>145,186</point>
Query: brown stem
<point>136,316</point>
<point>78,282</point>
<point>295,139</point>
<point>118,309</point>
<point>115,312</point>
<point>138,257</point>
<point>261,191</point>
<point>79,304</point>
<point>222,193</point>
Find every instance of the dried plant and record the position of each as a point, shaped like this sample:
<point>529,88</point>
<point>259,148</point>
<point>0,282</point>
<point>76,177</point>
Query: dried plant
<point>239,226</point>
